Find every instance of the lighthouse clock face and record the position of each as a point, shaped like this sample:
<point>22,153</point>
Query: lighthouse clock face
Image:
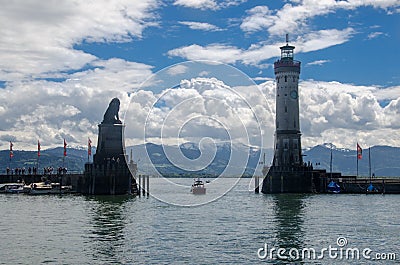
<point>293,94</point>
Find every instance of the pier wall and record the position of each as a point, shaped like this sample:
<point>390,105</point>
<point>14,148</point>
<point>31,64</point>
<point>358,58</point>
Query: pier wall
<point>66,179</point>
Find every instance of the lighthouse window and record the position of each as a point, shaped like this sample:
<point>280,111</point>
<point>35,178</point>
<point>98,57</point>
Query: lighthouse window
<point>285,78</point>
<point>285,108</point>
<point>285,143</point>
<point>295,144</point>
<point>294,79</point>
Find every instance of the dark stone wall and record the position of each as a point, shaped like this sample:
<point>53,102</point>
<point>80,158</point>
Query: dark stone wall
<point>289,180</point>
<point>109,173</point>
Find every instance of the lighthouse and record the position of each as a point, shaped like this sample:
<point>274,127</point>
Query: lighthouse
<point>287,173</point>
<point>287,134</point>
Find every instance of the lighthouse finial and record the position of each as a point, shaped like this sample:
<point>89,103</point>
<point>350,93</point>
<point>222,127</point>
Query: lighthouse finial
<point>287,39</point>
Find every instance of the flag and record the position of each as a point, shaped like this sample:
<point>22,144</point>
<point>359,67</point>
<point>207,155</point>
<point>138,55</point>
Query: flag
<point>11,150</point>
<point>65,148</point>
<point>38,148</point>
<point>89,147</point>
<point>359,151</point>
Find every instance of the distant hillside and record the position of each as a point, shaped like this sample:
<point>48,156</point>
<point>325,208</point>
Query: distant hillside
<point>74,161</point>
<point>385,160</point>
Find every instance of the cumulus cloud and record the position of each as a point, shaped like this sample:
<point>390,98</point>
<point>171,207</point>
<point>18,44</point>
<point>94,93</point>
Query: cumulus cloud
<point>345,113</point>
<point>38,37</point>
<point>200,107</point>
<point>330,112</point>
<point>51,111</point>
<point>295,15</point>
<point>200,26</point>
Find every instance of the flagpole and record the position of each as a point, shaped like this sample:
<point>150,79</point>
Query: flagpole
<point>331,162</point>
<point>38,157</point>
<point>65,153</point>
<point>10,155</point>
<point>369,162</point>
<point>88,152</point>
<point>357,158</point>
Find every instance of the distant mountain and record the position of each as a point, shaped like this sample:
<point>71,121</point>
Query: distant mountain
<point>385,160</point>
<point>172,161</point>
<point>74,161</point>
<point>187,159</point>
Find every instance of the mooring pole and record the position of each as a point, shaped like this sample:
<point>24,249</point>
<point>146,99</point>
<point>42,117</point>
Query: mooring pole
<point>256,184</point>
<point>139,185</point>
<point>148,185</point>
<point>143,185</point>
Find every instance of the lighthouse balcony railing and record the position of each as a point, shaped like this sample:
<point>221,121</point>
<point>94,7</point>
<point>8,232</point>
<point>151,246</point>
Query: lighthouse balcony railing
<point>286,62</point>
<point>293,168</point>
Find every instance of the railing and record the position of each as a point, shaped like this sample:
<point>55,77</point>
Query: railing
<point>283,63</point>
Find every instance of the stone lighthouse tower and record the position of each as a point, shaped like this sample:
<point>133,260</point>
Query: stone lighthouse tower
<point>287,134</point>
<point>287,173</point>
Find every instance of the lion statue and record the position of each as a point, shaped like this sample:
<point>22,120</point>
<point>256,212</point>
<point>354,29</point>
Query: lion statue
<point>111,115</point>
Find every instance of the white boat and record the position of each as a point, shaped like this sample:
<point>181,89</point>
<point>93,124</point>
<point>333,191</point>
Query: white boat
<point>47,188</point>
<point>198,187</point>
<point>12,188</point>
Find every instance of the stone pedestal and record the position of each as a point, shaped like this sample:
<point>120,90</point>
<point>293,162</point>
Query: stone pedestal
<point>110,144</point>
<point>109,173</point>
<point>296,179</point>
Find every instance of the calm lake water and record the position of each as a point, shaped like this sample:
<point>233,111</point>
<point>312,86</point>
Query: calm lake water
<point>230,230</point>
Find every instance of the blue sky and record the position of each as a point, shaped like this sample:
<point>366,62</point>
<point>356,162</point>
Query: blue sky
<point>61,63</point>
<point>359,59</point>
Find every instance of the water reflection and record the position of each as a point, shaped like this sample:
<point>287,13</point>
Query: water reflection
<point>108,222</point>
<point>289,218</point>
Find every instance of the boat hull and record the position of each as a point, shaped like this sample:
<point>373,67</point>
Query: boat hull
<point>198,190</point>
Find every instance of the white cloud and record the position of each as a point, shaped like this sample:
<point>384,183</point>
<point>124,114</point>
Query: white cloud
<point>212,52</point>
<point>374,35</point>
<point>200,107</point>
<point>295,15</point>
<point>208,4</point>
<point>200,26</point>
<point>257,53</point>
<point>318,62</point>
<point>322,39</point>
<point>38,37</point>
<point>344,113</point>
<point>51,111</point>
<point>177,69</point>
<point>259,18</point>
<point>198,4</point>
<point>330,112</point>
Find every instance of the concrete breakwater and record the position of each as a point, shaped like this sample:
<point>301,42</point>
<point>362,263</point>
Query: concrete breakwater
<point>65,179</point>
